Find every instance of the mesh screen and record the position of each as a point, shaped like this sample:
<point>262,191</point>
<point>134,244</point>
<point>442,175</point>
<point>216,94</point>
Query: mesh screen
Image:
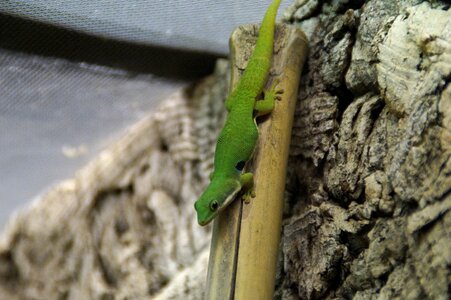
<point>56,114</point>
<point>203,25</point>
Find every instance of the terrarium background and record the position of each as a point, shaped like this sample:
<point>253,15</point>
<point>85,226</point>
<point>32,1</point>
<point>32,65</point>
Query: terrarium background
<point>74,74</point>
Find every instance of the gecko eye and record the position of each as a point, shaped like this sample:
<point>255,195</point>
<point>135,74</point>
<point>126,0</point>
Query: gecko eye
<point>240,165</point>
<point>214,205</point>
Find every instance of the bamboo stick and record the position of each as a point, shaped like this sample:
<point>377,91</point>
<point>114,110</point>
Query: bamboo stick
<point>246,237</point>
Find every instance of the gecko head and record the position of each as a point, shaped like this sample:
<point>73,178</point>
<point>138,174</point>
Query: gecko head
<point>218,195</point>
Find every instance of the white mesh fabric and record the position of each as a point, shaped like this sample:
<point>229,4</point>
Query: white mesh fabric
<point>203,25</point>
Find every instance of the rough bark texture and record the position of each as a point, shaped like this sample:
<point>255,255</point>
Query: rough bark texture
<point>367,211</point>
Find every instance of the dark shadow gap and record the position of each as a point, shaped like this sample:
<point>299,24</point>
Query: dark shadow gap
<point>34,37</point>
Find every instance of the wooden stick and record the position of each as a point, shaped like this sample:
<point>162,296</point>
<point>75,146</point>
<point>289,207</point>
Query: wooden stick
<point>246,237</point>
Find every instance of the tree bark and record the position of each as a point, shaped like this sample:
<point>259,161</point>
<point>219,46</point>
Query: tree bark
<point>368,207</point>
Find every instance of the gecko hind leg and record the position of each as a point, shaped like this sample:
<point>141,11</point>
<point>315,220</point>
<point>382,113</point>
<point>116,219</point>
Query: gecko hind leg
<point>272,94</point>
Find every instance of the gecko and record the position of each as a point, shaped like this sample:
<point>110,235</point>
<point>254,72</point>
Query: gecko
<point>238,137</point>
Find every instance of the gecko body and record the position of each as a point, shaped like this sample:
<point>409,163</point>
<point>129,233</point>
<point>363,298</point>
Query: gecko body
<point>239,135</point>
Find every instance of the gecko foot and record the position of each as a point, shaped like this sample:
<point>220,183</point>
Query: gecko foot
<point>274,92</point>
<point>247,196</point>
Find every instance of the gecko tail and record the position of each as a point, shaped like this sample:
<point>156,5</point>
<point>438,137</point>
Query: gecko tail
<point>256,73</point>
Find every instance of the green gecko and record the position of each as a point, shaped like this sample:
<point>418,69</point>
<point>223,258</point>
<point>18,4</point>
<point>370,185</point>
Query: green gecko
<point>239,135</point>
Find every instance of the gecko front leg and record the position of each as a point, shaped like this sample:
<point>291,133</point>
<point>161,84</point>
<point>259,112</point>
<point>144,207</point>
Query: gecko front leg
<point>247,183</point>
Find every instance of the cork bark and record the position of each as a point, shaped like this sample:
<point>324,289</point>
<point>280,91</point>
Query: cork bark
<point>367,202</point>
<point>367,212</point>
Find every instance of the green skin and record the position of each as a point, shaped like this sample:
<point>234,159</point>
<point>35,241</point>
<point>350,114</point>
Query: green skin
<point>239,135</point>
